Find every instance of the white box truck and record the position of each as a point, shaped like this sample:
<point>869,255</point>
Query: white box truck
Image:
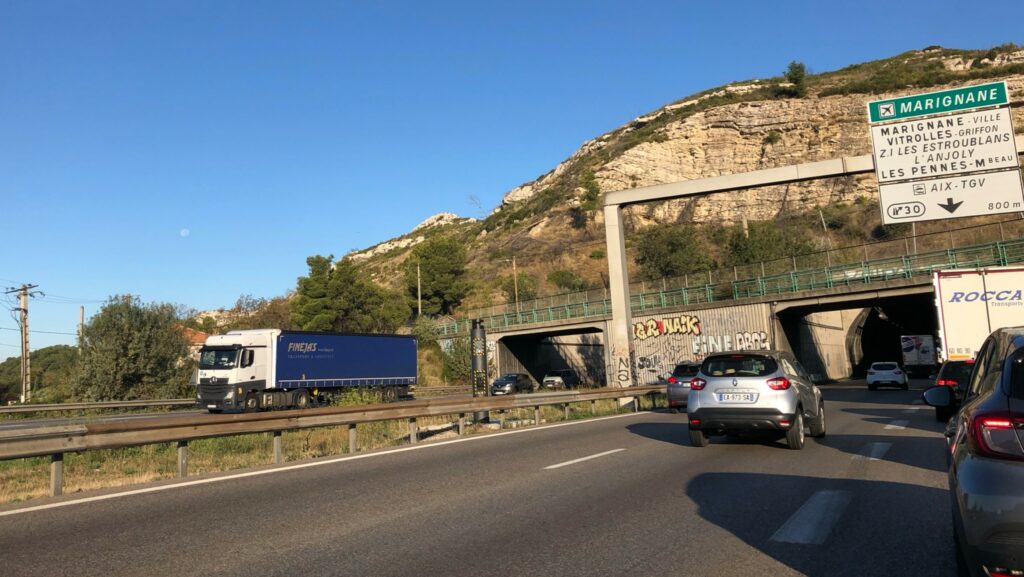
<point>918,354</point>
<point>972,303</point>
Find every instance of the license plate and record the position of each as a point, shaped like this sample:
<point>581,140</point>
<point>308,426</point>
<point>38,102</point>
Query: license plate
<point>736,397</point>
<point>211,406</point>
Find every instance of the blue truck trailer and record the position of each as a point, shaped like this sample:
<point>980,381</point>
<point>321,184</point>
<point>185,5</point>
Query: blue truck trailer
<point>273,369</point>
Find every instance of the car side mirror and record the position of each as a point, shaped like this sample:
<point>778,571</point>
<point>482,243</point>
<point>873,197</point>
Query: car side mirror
<point>938,397</point>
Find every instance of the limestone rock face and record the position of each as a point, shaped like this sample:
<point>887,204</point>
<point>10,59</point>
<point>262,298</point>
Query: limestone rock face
<point>744,137</point>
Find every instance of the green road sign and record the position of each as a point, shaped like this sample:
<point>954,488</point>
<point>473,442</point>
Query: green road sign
<point>992,94</point>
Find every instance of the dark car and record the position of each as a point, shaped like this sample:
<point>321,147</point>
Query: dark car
<point>678,384</point>
<point>955,374</point>
<point>512,383</point>
<point>986,458</point>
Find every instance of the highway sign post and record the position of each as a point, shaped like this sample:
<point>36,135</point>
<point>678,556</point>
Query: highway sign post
<point>946,154</point>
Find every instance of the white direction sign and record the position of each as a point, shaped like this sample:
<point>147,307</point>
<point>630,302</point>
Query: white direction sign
<point>952,197</point>
<point>962,163</point>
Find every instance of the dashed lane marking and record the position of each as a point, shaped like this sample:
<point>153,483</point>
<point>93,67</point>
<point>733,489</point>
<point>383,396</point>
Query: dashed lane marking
<point>813,521</point>
<point>898,425</point>
<point>581,459</point>
<point>873,451</point>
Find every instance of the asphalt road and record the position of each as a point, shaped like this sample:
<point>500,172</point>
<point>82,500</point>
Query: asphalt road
<point>619,496</point>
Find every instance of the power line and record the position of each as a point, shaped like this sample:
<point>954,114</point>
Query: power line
<point>40,332</point>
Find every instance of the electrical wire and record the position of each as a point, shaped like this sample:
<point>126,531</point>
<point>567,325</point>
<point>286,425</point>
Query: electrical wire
<point>40,332</point>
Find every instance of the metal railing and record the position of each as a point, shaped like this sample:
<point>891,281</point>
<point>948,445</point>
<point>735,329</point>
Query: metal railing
<point>904,257</point>
<point>55,441</point>
<point>57,407</point>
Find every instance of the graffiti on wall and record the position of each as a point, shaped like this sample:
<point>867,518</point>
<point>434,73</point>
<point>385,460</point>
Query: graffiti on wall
<point>677,325</point>
<point>741,341</point>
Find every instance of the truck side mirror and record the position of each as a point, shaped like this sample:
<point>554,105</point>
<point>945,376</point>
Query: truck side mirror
<point>247,357</point>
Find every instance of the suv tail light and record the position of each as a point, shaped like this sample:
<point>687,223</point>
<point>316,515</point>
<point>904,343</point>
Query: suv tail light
<point>993,435</point>
<point>672,380</point>
<point>697,384</point>
<point>778,384</point>
<point>946,383</point>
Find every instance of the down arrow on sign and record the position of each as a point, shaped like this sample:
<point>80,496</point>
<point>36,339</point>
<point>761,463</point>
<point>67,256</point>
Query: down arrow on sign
<point>951,206</point>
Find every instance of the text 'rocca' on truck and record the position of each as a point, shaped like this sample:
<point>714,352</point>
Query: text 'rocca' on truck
<point>273,369</point>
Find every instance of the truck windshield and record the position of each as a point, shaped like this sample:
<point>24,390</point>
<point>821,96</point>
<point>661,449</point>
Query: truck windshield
<point>217,358</point>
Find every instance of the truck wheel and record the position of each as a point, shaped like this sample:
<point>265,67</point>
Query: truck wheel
<point>302,399</point>
<point>251,403</point>
<point>390,395</point>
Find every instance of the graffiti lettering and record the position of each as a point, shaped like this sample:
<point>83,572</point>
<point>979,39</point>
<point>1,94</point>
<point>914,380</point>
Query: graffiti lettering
<point>648,362</point>
<point>757,341</point>
<point>680,325</point>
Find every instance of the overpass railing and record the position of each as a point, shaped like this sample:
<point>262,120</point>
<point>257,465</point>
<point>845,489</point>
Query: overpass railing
<point>900,258</point>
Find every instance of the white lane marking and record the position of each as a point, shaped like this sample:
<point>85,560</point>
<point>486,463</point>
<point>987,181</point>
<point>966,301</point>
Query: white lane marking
<point>306,465</point>
<point>873,451</point>
<point>898,424</point>
<point>813,522</point>
<point>581,459</point>
<point>914,410</point>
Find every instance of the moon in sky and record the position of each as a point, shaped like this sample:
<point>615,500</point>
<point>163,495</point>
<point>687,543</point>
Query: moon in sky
<point>184,232</point>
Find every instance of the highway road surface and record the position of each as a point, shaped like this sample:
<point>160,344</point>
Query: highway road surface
<point>617,496</point>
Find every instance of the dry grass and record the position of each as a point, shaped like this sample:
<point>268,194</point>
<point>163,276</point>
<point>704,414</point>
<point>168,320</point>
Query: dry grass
<point>24,479</point>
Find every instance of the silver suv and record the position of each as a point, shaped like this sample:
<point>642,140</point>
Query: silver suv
<point>754,391</point>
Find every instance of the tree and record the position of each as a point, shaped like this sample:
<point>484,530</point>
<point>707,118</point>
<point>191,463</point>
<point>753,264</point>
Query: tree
<point>527,288</point>
<point>567,280</point>
<point>53,371</point>
<point>259,313</point>
<point>337,297</point>
<point>670,251</point>
<point>134,351</point>
<point>796,76</point>
<point>766,240</point>
<point>455,359</point>
<point>442,264</point>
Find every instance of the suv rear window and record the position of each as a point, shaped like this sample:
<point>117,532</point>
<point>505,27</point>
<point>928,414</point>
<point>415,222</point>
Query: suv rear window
<point>739,365</point>
<point>686,370</point>
<point>884,366</point>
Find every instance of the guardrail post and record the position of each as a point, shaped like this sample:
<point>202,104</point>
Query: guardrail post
<point>565,409</point>
<point>636,404</point>
<point>501,420</point>
<point>353,445</point>
<point>462,424</point>
<point>413,431</point>
<point>278,456</point>
<point>182,459</point>
<point>536,415</point>
<point>57,474</point>
<point>593,407</point>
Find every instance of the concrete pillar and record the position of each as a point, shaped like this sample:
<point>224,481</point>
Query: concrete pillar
<point>182,459</point>
<point>57,474</point>
<point>619,351</point>
<point>353,444</point>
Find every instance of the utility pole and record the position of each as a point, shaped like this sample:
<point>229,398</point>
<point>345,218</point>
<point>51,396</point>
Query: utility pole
<point>81,329</point>
<point>515,282</point>
<point>419,293</point>
<point>26,361</point>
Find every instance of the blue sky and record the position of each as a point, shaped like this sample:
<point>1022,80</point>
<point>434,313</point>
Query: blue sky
<point>191,152</point>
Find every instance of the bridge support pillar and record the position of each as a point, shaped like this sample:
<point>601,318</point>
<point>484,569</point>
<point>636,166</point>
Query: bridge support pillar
<point>620,368</point>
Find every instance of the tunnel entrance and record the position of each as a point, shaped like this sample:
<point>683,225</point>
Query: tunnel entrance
<point>838,340</point>
<point>537,354</point>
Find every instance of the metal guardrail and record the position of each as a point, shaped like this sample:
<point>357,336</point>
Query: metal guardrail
<point>999,253</point>
<point>57,440</point>
<point>56,407</point>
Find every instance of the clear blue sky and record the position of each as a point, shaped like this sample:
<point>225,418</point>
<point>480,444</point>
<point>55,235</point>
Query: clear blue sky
<point>192,151</point>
